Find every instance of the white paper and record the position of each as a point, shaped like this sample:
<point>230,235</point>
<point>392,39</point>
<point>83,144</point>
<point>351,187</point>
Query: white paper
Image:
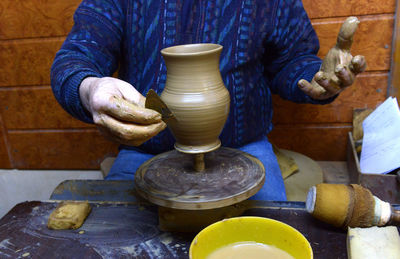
<point>380,151</point>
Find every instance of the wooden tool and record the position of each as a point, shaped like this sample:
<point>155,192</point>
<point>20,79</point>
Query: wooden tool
<point>349,206</point>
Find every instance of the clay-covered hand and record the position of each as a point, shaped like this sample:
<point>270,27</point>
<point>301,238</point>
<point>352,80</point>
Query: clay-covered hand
<point>118,110</point>
<point>339,68</point>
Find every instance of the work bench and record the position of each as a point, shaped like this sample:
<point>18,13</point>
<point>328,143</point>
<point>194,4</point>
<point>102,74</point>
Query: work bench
<point>121,225</point>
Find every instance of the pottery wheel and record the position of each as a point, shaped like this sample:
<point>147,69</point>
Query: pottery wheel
<point>169,179</point>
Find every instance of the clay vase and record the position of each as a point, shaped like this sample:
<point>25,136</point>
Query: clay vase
<point>196,95</point>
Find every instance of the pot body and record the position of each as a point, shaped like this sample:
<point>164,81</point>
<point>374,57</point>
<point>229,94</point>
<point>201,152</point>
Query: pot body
<point>196,95</point>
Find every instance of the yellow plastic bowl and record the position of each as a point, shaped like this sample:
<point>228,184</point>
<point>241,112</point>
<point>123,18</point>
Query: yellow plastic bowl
<point>256,229</point>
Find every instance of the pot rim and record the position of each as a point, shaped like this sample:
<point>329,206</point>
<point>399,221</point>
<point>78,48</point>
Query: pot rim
<point>207,49</point>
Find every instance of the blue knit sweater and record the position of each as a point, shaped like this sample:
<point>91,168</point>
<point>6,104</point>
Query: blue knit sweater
<point>268,47</point>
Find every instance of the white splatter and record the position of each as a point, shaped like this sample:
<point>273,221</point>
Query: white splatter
<point>133,250</point>
<point>166,239</point>
<point>5,245</point>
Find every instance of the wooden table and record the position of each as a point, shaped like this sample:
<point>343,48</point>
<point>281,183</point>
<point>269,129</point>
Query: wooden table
<point>126,227</point>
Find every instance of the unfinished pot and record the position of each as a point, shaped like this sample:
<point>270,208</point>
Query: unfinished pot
<point>196,95</point>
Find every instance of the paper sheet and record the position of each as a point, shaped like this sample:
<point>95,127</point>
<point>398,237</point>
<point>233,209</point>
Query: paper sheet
<point>380,152</point>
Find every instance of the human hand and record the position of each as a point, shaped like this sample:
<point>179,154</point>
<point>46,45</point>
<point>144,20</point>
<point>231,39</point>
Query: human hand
<point>339,68</point>
<point>118,110</point>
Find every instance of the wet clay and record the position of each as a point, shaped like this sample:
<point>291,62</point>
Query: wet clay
<point>249,250</point>
<point>69,215</point>
<point>339,68</point>
<point>342,47</point>
<point>170,180</point>
<point>196,95</point>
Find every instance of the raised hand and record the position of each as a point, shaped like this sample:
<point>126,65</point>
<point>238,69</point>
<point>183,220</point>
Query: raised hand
<point>118,110</point>
<point>339,68</point>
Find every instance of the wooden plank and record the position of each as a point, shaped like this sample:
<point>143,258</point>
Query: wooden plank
<point>4,156</point>
<point>325,142</point>
<point>394,84</point>
<point>36,18</point>
<point>336,8</point>
<point>43,18</point>
<point>373,38</point>
<point>35,108</point>
<point>59,149</point>
<point>131,230</point>
<point>368,91</point>
<point>27,62</point>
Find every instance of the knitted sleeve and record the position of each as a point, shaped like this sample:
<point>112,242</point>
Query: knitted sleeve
<point>290,52</point>
<point>92,48</point>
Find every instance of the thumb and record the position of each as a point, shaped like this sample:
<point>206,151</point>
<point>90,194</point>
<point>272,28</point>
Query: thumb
<point>346,33</point>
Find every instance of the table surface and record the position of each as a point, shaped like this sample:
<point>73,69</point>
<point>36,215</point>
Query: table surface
<point>126,227</point>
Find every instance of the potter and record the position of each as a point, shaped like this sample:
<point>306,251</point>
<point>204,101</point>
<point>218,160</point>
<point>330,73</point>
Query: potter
<point>268,47</point>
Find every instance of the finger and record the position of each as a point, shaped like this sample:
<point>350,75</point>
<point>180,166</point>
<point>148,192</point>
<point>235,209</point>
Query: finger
<point>358,64</point>
<point>329,82</point>
<point>126,111</point>
<point>128,133</point>
<point>346,33</point>
<point>109,136</point>
<point>344,75</point>
<point>314,91</point>
<point>130,93</point>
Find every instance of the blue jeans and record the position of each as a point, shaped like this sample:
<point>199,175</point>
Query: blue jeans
<point>129,160</point>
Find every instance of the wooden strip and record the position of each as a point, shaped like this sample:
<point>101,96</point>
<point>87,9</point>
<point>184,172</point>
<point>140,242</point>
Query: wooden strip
<point>36,18</point>
<point>394,84</point>
<point>35,108</point>
<point>336,8</point>
<point>368,91</point>
<point>84,149</point>
<point>44,18</point>
<point>4,156</point>
<point>27,62</point>
<point>373,38</point>
<point>319,142</point>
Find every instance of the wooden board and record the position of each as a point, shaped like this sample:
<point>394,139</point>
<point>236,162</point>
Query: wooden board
<point>319,142</point>
<point>35,107</point>
<point>368,91</point>
<point>373,38</point>
<point>5,161</point>
<point>337,8</point>
<point>59,149</point>
<point>27,62</point>
<point>36,18</point>
<point>118,230</point>
<point>394,84</point>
